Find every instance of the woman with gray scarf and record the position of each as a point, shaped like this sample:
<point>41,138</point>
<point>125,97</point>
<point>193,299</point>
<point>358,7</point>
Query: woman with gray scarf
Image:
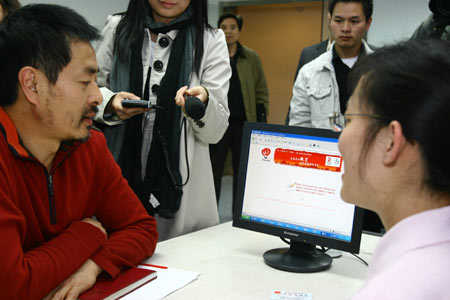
<point>164,51</point>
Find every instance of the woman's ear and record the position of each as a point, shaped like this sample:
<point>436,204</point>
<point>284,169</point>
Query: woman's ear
<point>395,143</point>
<point>28,83</point>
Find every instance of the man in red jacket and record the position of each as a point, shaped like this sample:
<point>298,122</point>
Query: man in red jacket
<point>66,213</point>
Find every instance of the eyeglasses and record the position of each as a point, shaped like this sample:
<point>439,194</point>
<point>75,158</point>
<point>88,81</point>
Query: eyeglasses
<point>338,121</point>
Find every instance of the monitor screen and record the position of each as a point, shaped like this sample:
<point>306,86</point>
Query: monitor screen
<point>289,186</point>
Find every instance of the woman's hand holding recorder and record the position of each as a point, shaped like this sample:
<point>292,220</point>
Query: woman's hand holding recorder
<point>124,112</point>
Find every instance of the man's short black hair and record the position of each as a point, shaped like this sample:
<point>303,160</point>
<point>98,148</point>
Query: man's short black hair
<point>38,35</point>
<point>238,19</point>
<point>367,6</point>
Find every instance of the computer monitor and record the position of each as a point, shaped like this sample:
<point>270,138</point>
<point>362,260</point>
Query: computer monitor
<point>289,186</point>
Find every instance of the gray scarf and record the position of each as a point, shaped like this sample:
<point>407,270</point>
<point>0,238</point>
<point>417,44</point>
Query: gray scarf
<point>162,176</point>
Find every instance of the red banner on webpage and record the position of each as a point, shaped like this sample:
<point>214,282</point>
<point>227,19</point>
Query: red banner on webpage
<point>306,159</point>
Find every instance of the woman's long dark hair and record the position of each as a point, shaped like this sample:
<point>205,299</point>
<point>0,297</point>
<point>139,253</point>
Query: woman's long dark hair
<point>131,27</point>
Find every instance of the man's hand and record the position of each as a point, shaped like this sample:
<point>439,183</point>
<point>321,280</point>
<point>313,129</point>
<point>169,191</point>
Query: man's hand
<point>115,106</point>
<point>80,281</point>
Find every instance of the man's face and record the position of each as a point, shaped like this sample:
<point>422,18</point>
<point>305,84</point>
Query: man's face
<point>231,30</point>
<point>348,24</point>
<point>66,108</point>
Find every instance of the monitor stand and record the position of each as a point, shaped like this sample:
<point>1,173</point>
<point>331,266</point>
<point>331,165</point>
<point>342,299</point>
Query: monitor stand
<point>334,253</point>
<point>300,257</point>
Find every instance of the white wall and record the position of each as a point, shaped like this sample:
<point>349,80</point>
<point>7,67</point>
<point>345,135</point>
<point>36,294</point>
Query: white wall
<point>393,20</point>
<point>214,13</point>
<point>396,20</point>
<point>95,11</point>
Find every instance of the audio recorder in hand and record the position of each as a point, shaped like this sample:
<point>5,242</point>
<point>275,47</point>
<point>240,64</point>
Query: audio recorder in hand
<point>131,103</point>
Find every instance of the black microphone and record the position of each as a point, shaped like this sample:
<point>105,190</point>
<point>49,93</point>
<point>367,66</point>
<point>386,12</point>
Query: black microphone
<point>194,107</point>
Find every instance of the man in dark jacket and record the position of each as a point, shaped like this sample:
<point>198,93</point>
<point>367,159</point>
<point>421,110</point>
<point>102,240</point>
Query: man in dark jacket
<point>248,98</point>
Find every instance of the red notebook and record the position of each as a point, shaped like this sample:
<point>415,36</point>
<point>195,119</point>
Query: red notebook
<point>126,282</point>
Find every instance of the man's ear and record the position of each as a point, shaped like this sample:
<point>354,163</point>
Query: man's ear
<point>368,22</point>
<point>28,83</point>
<point>395,142</point>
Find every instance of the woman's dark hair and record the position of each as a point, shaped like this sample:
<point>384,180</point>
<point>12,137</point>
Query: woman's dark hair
<point>238,18</point>
<point>409,83</point>
<point>131,27</point>
<point>40,36</point>
<point>9,6</point>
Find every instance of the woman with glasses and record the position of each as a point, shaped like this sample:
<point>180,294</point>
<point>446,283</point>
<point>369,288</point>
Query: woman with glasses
<point>395,146</point>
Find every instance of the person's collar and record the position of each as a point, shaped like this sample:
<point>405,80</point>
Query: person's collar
<point>335,56</point>
<point>330,44</point>
<point>362,51</point>
<point>367,48</point>
<point>427,225</point>
<point>239,51</point>
<point>9,131</point>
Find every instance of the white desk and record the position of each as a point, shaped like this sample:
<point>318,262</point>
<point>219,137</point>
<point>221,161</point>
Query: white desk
<point>231,264</point>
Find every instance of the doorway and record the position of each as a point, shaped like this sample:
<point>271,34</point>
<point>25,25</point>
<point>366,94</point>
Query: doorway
<point>278,32</point>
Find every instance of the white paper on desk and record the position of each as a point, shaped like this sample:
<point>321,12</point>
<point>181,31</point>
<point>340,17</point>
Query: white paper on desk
<point>167,281</point>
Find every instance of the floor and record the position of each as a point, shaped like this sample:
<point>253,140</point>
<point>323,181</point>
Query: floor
<point>225,200</point>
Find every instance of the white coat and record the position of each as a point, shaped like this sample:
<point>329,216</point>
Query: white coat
<point>315,96</point>
<point>198,207</point>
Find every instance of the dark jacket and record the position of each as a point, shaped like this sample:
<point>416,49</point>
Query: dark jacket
<point>309,53</point>
<point>253,82</point>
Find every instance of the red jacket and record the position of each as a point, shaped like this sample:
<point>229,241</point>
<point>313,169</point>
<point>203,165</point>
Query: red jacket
<point>42,240</point>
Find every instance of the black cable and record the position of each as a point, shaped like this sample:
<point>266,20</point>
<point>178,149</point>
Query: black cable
<point>364,262</point>
<point>186,150</point>
<point>285,240</point>
<point>323,249</point>
<point>162,140</point>
<point>166,154</point>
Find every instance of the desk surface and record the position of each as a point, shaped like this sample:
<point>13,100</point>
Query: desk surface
<point>231,264</point>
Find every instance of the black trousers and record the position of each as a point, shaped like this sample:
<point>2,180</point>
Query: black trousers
<point>232,139</point>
